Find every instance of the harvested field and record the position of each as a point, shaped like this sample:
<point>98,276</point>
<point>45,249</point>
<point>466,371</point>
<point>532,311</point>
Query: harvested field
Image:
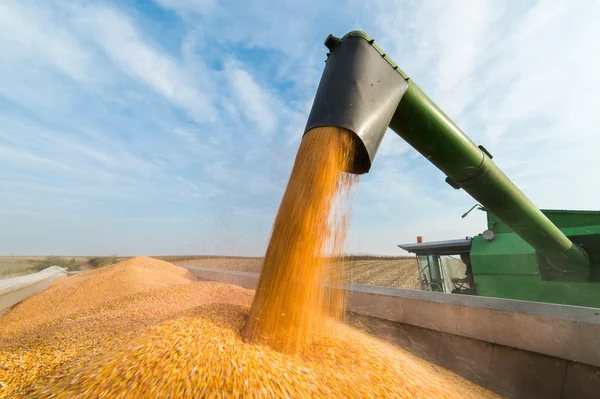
<point>396,272</point>
<point>13,266</point>
<point>252,265</point>
<point>182,338</point>
<point>386,272</point>
<point>182,258</point>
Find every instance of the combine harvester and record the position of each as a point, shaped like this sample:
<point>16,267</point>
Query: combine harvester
<point>533,328</point>
<point>550,256</point>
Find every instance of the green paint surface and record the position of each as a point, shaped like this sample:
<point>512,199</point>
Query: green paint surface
<point>507,267</point>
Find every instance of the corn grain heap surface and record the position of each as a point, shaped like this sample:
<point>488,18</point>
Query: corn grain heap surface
<point>94,288</point>
<point>185,341</point>
<point>98,311</point>
<point>291,301</point>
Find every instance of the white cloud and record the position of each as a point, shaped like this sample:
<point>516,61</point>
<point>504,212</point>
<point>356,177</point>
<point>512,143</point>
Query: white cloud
<point>14,157</point>
<point>124,44</point>
<point>392,146</point>
<point>543,123</point>
<point>79,153</point>
<point>186,134</point>
<point>25,39</point>
<point>185,6</point>
<point>253,101</point>
<point>463,31</point>
<point>198,189</point>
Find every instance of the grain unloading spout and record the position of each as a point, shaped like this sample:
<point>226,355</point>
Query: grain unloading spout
<point>364,91</point>
<point>360,90</point>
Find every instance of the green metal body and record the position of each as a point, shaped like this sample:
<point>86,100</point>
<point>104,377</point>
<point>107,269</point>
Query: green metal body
<point>508,267</point>
<point>426,128</point>
<point>549,256</point>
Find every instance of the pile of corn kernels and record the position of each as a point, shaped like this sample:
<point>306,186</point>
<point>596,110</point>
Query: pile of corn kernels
<point>146,328</point>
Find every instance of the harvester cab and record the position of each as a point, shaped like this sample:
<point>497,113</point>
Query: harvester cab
<point>444,266</point>
<point>524,253</point>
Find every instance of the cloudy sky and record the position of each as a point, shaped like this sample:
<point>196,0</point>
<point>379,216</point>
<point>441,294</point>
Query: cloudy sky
<point>170,126</point>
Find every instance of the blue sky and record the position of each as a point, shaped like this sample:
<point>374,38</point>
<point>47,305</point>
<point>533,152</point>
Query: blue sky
<point>170,126</point>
